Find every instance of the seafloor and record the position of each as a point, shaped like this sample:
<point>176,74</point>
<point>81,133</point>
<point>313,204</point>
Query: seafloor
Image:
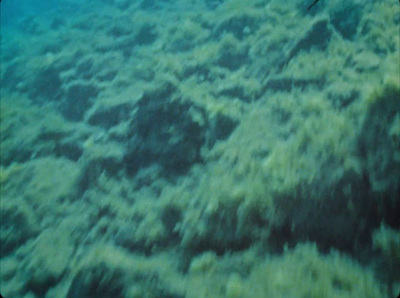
<point>201,148</point>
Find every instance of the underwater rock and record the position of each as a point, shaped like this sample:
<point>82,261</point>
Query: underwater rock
<point>19,223</point>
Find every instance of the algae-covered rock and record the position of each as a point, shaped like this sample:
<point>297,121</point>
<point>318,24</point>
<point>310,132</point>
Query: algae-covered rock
<point>378,139</point>
<point>43,183</point>
<point>299,272</point>
<point>387,240</point>
<point>18,223</point>
<point>112,272</point>
<point>304,272</point>
<point>51,257</point>
<point>26,134</point>
<point>379,147</point>
<point>163,132</point>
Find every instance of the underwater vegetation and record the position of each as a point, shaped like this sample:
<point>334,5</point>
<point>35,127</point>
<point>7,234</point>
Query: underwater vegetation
<point>203,149</point>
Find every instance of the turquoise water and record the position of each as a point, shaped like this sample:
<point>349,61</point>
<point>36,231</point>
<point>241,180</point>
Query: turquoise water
<point>200,148</point>
<point>12,12</point>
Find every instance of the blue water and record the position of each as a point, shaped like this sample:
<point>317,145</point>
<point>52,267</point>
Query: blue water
<point>13,12</point>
